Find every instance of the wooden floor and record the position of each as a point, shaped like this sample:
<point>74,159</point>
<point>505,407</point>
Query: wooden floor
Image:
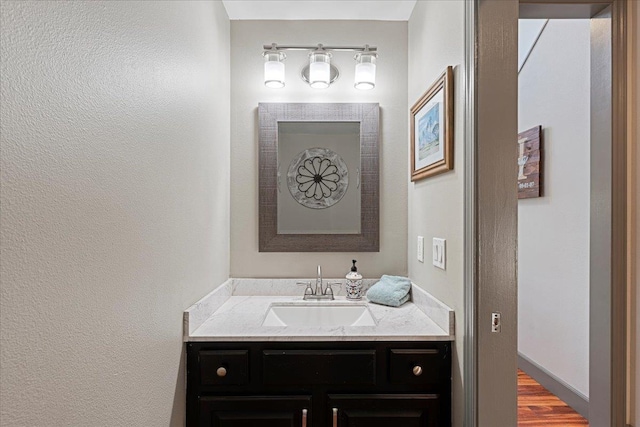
<point>537,407</point>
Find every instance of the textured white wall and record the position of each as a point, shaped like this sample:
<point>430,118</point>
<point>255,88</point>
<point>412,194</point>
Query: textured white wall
<point>247,90</point>
<point>436,40</point>
<point>553,231</point>
<point>115,204</point>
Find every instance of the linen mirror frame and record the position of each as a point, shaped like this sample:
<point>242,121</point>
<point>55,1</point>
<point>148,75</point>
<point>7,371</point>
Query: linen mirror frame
<point>269,115</point>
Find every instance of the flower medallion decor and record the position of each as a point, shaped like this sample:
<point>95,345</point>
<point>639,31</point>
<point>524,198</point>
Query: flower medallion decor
<point>317,178</point>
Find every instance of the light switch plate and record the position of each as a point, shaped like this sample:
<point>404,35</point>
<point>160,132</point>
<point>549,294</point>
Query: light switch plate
<point>439,253</point>
<point>420,248</point>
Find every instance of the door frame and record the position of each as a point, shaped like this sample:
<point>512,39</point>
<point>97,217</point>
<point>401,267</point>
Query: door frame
<point>490,210</point>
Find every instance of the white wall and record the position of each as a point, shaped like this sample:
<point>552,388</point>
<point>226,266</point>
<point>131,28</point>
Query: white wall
<point>115,204</point>
<point>528,32</point>
<point>247,90</point>
<point>436,40</point>
<point>553,231</point>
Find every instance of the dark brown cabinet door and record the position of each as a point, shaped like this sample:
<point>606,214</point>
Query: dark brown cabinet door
<point>384,410</point>
<point>253,411</point>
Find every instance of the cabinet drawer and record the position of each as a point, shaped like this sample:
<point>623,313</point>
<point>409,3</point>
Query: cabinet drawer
<point>300,367</point>
<point>262,411</point>
<point>408,366</point>
<point>224,367</point>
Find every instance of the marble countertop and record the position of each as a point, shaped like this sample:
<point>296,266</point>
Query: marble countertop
<point>235,312</point>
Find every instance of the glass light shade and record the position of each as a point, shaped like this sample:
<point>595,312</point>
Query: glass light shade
<point>274,69</point>
<point>365,71</point>
<point>319,69</point>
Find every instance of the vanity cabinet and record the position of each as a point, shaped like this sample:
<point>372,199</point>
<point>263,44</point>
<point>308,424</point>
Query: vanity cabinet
<point>319,384</point>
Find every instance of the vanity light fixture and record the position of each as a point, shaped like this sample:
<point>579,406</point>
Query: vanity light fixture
<point>365,69</point>
<point>274,67</point>
<point>320,68</point>
<point>320,72</point>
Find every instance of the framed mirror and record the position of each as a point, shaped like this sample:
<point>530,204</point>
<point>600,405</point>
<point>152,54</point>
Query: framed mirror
<point>318,177</point>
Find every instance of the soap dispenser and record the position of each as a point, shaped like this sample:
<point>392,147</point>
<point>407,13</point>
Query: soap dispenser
<point>354,283</point>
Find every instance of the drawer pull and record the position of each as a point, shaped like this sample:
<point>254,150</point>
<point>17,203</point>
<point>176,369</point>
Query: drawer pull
<point>304,418</point>
<point>335,417</point>
<point>417,370</point>
<point>221,371</point>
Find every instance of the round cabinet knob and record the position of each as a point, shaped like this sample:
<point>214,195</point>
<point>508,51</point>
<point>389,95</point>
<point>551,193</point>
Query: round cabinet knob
<point>222,371</point>
<point>417,370</point>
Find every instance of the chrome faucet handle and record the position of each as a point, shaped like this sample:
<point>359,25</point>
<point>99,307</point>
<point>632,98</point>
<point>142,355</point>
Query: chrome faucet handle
<point>308,290</point>
<point>329,290</point>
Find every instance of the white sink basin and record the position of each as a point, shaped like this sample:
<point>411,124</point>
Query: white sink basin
<point>325,315</point>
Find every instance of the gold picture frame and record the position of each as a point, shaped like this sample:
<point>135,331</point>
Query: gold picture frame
<point>432,129</point>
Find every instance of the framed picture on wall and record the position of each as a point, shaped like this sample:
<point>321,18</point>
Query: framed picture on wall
<point>432,129</point>
<point>530,163</point>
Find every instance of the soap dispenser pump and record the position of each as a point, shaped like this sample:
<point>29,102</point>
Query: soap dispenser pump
<point>354,283</point>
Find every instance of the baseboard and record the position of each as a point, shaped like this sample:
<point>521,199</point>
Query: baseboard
<point>572,397</point>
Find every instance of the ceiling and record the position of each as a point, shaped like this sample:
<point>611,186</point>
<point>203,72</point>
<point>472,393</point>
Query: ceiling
<point>377,10</point>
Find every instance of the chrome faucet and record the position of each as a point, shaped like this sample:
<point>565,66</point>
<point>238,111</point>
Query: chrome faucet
<point>318,293</point>
<point>319,290</point>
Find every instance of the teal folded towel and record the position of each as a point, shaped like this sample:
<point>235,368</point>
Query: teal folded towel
<point>390,290</point>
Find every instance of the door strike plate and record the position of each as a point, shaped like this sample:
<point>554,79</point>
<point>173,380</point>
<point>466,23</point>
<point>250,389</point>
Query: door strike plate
<point>495,322</point>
